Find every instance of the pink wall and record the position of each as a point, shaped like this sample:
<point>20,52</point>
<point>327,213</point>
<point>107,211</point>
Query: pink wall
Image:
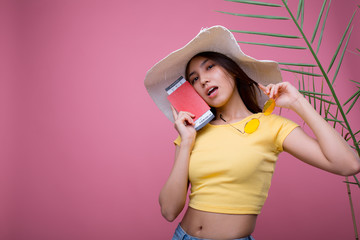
<point>84,150</point>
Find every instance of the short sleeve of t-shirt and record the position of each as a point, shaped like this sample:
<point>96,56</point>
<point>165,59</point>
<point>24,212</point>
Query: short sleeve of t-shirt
<point>282,127</point>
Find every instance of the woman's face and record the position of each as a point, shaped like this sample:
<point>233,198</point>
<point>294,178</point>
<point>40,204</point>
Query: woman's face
<point>211,81</point>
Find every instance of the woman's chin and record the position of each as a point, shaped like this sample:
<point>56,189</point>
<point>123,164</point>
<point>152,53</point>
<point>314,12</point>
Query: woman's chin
<point>216,105</point>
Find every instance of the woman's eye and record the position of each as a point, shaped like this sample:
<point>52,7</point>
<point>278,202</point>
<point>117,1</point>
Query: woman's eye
<point>210,66</point>
<point>194,80</point>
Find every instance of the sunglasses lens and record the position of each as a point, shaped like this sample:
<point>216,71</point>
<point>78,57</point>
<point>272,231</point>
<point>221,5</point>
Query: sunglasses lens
<point>252,125</point>
<point>269,107</point>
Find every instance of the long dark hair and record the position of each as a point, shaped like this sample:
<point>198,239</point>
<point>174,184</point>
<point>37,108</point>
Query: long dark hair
<point>245,85</point>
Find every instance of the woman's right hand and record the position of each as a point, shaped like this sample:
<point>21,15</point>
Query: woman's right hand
<point>184,123</point>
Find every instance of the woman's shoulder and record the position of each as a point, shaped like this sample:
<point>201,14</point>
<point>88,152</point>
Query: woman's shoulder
<point>275,117</point>
<point>277,120</point>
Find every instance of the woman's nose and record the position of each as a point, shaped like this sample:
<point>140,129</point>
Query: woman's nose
<point>204,80</point>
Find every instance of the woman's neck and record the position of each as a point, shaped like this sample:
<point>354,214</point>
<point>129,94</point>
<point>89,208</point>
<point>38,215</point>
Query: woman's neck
<point>233,110</point>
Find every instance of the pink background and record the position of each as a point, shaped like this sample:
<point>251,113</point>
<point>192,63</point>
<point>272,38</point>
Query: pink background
<point>85,151</point>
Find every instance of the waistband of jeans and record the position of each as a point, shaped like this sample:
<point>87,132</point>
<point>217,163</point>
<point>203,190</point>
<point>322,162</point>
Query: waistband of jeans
<point>183,233</point>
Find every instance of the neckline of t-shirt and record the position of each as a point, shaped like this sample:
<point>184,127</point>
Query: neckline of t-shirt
<point>238,122</point>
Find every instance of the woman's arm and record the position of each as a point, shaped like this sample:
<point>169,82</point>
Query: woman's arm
<point>173,195</point>
<point>329,151</point>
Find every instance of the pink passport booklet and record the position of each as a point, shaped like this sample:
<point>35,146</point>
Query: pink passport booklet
<point>183,97</point>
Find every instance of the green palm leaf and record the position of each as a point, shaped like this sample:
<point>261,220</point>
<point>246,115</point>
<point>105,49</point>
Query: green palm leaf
<point>349,137</point>
<point>333,120</point>
<point>266,34</point>
<point>318,21</point>
<point>342,56</point>
<point>335,117</point>
<point>301,72</point>
<point>354,95</point>
<point>353,103</point>
<point>321,103</point>
<point>321,99</point>
<point>356,53</point>
<point>350,182</point>
<point>303,83</point>
<point>313,81</point>
<point>299,9</point>
<point>315,93</point>
<point>357,132</point>
<point>256,16</point>
<point>323,27</point>
<point>355,82</point>
<point>298,64</point>
<point>302,14</point>
<point>273,45</point>
<point>357,181</point>
<point>341,41</point>
<point>256,3</point>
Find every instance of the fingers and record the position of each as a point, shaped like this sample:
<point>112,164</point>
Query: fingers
<point>174,113</point>
<point>272,90</point>
<point>183,117</point>
<point>262,87</point>
<point>266,89</point>
<point>283,93</point>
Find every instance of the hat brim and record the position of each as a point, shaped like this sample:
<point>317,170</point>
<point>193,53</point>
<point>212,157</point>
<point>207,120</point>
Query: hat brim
<point>215,39</point>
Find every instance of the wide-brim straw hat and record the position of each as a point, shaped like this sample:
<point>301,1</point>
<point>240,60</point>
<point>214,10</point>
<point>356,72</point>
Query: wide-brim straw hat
<point>215,39</point>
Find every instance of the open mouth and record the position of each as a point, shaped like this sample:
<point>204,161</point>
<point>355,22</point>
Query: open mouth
<point>212,90</point>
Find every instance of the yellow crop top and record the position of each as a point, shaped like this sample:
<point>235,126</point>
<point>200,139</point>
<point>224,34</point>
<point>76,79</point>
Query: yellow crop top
<point>230,172</point>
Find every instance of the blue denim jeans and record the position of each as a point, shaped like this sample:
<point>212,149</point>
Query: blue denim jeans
<point>180,234</point>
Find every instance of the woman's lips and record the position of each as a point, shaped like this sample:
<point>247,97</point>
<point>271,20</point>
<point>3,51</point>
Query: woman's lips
<point>212,92</point>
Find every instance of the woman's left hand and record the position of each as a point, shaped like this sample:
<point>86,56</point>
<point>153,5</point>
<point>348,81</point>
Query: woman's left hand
<point>284,94</point>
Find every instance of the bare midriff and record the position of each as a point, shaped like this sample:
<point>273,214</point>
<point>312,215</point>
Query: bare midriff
<point>217,225</point>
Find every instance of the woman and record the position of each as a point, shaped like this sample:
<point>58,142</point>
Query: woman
<point>229,168</point>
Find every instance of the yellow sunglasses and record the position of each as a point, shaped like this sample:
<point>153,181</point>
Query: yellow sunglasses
<point>253,124</point>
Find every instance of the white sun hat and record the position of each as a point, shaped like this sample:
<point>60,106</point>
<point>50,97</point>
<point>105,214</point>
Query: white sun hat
<point>214,39</point>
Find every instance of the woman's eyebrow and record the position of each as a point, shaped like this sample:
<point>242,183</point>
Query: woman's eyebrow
<point>201,65</point>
